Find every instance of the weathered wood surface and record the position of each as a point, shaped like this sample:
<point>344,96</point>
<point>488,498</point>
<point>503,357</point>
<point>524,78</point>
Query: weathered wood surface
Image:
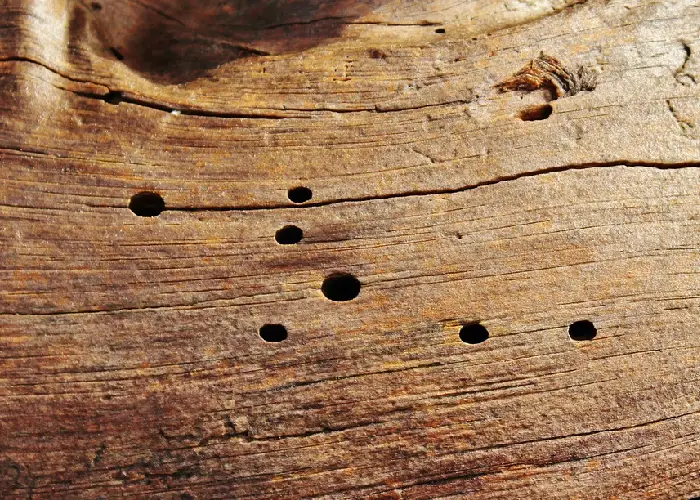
<point>130,360</point>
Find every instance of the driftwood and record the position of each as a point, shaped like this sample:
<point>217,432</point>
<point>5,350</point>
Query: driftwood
<point>349,249</point>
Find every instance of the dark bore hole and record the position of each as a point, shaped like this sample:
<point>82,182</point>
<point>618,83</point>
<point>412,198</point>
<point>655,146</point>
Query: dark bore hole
<point>147,204</point>
<point>440,30</point>
<point>536,113</point>
<point>113,97</point>
<point>289,235</point>
<point>341,287</point>
<point>299,194</point>
<point>473,333</point>
<point>96,6</point>
<point>582,330</point>
<point>273,333</point>
<point>377,54</point>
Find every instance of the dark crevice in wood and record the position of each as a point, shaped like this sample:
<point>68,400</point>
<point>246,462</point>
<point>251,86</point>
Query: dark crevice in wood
<point>433,192</point>
<point>48,68</point>
<point>341,19</point>
<point>384,23</point>
<point>681,74</point>
<point>407,194</point>
<point>117,97</point>
<point>684,124</point>
<point>307,113</point>
<point>448,479</point>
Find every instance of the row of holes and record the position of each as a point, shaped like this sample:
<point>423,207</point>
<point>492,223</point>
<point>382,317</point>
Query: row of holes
<point>473,333</point>
<point>338,287</point>
<point>149,204</point>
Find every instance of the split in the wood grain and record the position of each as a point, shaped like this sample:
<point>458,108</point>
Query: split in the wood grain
<point>682,75</point>
<point>431,192</point>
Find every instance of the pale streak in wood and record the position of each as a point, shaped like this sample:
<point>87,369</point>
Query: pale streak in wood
<point>129,358</point>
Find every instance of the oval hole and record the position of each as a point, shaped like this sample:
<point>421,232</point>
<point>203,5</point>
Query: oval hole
<point>473,333</point>
<point>273,333</point>
<point>299,194</point>
<point>582,330</point>
<point>289,235</point>
<point>341,287</point>
<point>147,204</point>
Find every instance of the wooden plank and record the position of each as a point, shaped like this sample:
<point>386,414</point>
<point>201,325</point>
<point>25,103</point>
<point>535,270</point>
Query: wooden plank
<point>131,361</point>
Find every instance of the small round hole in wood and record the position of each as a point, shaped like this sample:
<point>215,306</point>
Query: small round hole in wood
<point>473,333</point>
<point>299,194</point>
<point>147,204</point>
<point>582,330</point>
<point>273,333</point>
<point>341,287</point>
<point>289,235</point>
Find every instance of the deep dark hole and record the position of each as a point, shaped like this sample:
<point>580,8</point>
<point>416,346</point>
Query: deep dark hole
<point>341,287</point>
<point>440,30</point>
<point>147,204</point>
<point>377,54</point>
<point>273,333</point>
<point>116,53</point>
<point>473,333</point>
<point>536,113</point>
<point>113,97</point>
<point>96,6</point>
<point>582,330</point>
<point>299,194</point>
<point>289,235</point>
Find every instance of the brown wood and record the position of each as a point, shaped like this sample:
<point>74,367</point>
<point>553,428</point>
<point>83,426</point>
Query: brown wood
<point>131,363</point>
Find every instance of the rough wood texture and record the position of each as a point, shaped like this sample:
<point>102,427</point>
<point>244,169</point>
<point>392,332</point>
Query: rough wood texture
<point>130,360</point>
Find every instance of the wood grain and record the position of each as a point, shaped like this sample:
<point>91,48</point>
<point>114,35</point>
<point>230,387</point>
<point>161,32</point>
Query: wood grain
<point>130,360</point>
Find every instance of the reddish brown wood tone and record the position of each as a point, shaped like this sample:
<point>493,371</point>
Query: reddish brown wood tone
<point>166,322</point>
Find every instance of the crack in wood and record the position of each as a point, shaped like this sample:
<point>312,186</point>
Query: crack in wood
<point>433,192</point>
<point>681,74</point>
<point>685,125</point>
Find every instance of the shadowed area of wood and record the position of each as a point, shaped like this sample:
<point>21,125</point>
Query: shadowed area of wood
<point>354,249</point>
<point>180,41</point>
